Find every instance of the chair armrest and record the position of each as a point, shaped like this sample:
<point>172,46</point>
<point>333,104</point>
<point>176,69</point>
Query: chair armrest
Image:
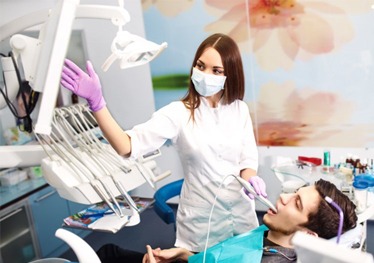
<point>162,195</point>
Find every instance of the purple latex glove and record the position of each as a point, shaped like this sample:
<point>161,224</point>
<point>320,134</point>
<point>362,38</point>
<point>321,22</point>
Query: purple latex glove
<point>85,85</point>
<point>259,186</point>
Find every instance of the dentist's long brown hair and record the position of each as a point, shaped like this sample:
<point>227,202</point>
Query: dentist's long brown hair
<point>232,64</point>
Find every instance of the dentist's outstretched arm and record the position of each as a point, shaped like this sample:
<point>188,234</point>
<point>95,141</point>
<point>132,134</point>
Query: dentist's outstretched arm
<point>88,86</point>
<point>85,85</point>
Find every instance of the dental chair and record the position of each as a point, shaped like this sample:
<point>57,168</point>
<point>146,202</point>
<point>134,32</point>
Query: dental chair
<point>162,195</point>
<point>310,249</point>
<point>83,251</point>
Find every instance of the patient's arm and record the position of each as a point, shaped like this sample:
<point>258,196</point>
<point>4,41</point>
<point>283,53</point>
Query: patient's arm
<point>166,255</point>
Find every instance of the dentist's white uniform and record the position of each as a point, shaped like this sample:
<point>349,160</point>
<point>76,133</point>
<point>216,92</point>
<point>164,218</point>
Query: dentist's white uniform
<point>220,142</point>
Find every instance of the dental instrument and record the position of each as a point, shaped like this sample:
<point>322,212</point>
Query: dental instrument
<point>87,170</point>
<point>97,214</point>
<point>260,198</point>
<point>96,147</point>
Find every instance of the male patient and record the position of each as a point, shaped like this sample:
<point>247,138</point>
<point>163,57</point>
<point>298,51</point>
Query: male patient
<point>306,210</point>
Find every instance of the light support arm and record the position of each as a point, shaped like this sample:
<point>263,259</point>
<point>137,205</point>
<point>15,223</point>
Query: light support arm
<point>31,46</point>
<point>117,15</point>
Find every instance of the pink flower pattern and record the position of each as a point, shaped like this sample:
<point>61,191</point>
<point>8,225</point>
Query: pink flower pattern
<point>281,31</point>
<point>168,8</point>
<point>306,117</point>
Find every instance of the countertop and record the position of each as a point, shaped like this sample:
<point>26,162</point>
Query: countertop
<point>12,194</point>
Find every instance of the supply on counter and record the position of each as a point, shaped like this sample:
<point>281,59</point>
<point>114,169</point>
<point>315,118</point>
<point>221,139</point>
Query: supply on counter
<point>326,168</point>
<point>346,171</point>
<point>367,179</point>
<point>358,165</point>
<point>360,194</point>
<point>353,165</point>
<point>326,158</point>
<point>12,176</point>
<point>313,160</point>
<point>34,172</point>
<point>14,136</point>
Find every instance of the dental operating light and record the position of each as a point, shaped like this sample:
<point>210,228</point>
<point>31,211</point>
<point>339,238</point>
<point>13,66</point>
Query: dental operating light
<point>43,58</point>
<point>132,50</point>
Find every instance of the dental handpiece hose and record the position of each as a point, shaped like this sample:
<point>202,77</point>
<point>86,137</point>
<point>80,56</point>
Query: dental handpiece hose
<point>260,198</point>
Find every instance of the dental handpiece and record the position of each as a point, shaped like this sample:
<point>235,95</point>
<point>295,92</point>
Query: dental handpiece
<point>260,198</point>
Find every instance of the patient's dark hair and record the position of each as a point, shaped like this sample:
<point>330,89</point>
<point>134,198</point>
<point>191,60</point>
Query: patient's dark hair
<point>325,220</point>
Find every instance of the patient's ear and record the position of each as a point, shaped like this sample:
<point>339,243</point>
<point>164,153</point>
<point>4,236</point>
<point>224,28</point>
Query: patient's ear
<point>308,232</point>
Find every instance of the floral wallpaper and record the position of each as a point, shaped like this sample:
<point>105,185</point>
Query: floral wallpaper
<point>308,64</point>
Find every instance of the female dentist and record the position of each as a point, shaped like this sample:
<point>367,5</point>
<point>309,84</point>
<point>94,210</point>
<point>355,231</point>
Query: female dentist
<point>212,130</point>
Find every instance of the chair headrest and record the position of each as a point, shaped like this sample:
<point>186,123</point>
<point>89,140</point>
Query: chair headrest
<point>351,238</point>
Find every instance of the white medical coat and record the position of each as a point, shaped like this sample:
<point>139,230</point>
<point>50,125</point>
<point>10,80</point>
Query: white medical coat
<point>220,142</point>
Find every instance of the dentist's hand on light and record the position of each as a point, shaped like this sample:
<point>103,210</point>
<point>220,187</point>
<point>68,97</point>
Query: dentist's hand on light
<point>259,186</point>
<point>85,85</point>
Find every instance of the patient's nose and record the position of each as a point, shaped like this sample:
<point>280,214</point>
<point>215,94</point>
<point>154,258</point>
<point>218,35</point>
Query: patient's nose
<point>285,198</point>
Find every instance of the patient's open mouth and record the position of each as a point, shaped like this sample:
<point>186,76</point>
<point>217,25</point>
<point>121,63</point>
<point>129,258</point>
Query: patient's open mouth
<point>270,211</point>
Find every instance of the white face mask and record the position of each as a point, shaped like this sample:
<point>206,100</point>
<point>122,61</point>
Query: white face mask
<point>207,84</point>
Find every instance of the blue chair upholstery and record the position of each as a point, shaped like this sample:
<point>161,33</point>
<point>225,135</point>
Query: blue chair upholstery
<point>162,195</point>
